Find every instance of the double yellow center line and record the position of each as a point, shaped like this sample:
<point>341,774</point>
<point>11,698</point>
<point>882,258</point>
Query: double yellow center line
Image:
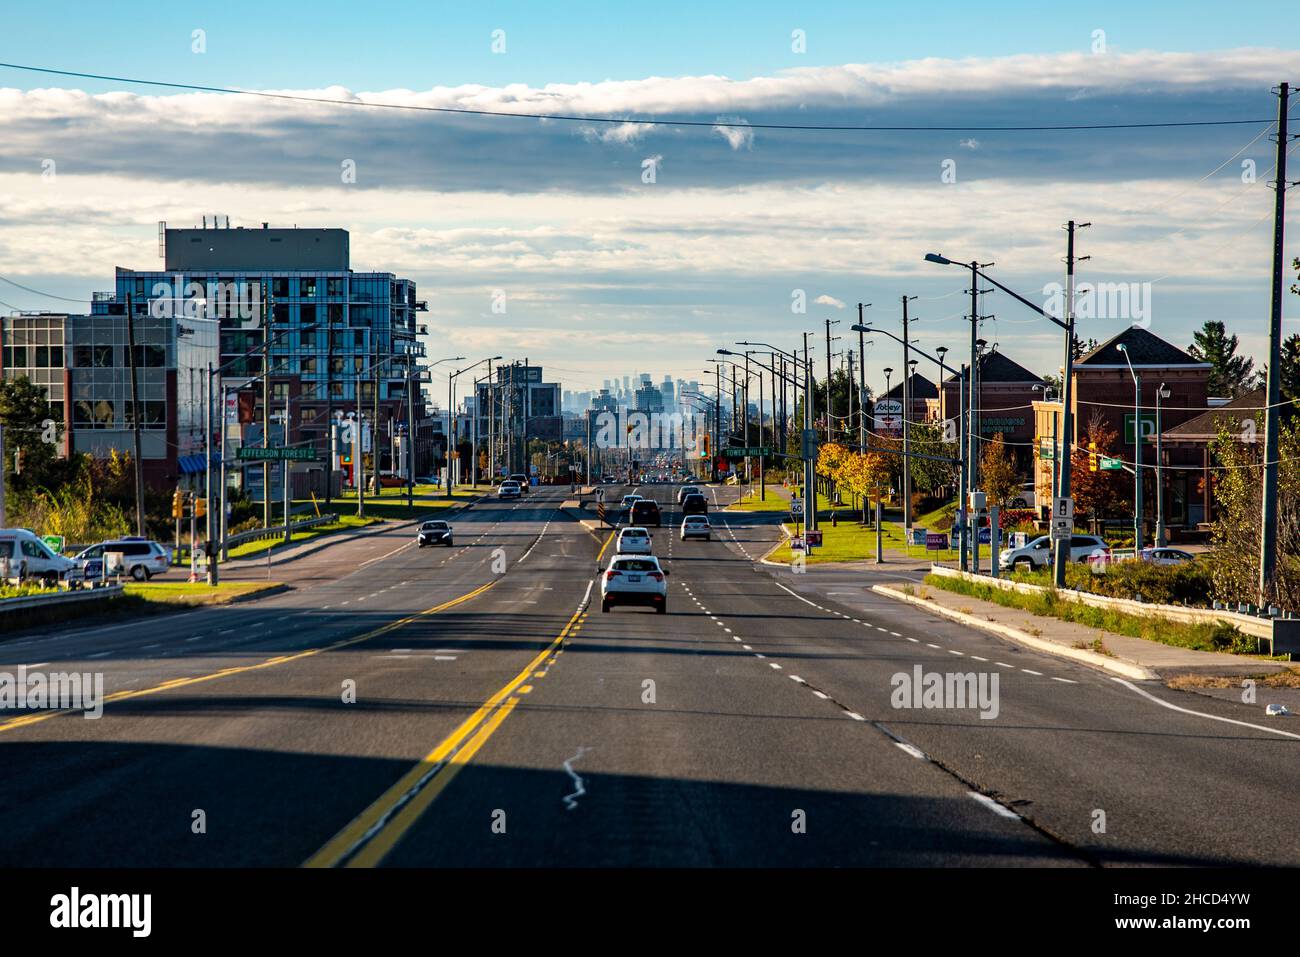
<point>367,840</point>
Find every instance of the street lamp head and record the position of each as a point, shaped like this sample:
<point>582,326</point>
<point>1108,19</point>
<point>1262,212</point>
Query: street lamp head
<point>887,370</point>
<point>861,328</point>
<point>1121,347</point>
<point>941,351</point>
<point>1165,391</point>
<point>936,258</point>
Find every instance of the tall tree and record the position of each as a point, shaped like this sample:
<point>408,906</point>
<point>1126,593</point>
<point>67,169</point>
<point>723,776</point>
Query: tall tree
<point>1230,374</point>
<point>24,413</point>
<point>998,471</point>
<point>1101,492</point>
<point>1290,383</point>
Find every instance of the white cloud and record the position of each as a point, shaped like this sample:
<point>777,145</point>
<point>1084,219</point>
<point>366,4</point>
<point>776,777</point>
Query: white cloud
<point>829,301</point>
<point>736,136</point>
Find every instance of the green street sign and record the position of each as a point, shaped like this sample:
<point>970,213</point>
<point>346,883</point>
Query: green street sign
<point>56,543</point>
<point>255,453</point>
<point>1046,451</point>
<point>753,451</point>
<point>1109,465</point>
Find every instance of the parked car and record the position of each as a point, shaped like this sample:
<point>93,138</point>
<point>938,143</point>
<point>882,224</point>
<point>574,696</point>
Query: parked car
<point>686,490</point>
<point>696,526</point>
<point>435,532</point>
<point>645,512</point>
<point>29,557</point>
<point>1025,498</point>
<point>141,558</point>
<point>1038,553</point>
<point>695,504</point>
<point>635,580</point>
<point>509,489</point>
<point>633,540</point>
<point>1167,556</point>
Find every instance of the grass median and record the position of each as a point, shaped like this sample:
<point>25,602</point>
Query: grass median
<point>391,504</point>
<point>1049,603</point>
<point>137,600</point>
<point>262,546</point>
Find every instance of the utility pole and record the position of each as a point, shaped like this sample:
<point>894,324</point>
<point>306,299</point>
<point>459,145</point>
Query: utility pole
<point>1268,533</point>
<point>411,383</point>
<point>862,379</point>
<point>810,464</point>
<point>963,533</point>
<point>330,424</point>
<point>1061,554</point>
<point>135,416</point>
<point>829,401</point>
<point>359,451</point>
<point>492,451</point>
<point>268,310</point>
<point>907,414</point>
<point>717,419</point>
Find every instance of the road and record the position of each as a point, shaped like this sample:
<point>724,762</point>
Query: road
<point>414,707</point>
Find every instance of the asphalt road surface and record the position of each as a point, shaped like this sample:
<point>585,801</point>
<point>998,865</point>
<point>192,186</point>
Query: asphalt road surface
<point>473,706</point>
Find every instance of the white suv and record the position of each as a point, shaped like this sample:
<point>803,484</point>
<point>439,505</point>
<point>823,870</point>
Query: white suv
<point>634,580</point>
<point>1038,553</point>
<point>29,557</point>
<point>141,558</point>
<point>633,540</point>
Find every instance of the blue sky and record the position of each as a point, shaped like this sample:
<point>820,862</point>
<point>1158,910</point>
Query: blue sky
<point>607,274</point>
<point>419,44</point>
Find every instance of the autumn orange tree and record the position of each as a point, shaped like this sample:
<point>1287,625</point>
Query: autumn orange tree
<point>998,474</point>
<point>1100,492</point>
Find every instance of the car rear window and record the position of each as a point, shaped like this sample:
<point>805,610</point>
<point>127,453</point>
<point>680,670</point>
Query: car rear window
<point>6,548</point>
<point>634,533</point>
<point>636,565</point>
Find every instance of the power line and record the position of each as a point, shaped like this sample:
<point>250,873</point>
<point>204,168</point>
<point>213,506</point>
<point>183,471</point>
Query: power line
<point>726,124</point>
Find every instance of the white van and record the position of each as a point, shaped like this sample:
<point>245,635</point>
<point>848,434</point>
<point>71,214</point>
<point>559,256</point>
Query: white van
<point>29,557</point>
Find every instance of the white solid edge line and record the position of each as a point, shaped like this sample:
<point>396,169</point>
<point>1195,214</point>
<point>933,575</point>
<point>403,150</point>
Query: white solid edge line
<point>1202,714</point>
<point>994,806</point>
<point>911,749</point>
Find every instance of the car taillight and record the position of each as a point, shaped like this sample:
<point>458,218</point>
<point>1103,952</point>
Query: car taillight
<point>611,574</point>
<point>657,576</point>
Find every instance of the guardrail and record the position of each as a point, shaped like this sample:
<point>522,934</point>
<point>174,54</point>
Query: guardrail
<point>279,531</point>
<point>26,602</point>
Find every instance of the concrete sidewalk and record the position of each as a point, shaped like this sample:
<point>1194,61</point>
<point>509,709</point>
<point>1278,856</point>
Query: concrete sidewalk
<point>1129,657</point>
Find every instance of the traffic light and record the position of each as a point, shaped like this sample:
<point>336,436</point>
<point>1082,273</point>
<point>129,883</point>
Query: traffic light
<point>705,453</point>
<point>200,507</point>
<point>178,504</point>
<point>1092,456</point>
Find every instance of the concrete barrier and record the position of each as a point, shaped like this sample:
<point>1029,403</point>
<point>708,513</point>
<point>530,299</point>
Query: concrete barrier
<point>1282,634</point>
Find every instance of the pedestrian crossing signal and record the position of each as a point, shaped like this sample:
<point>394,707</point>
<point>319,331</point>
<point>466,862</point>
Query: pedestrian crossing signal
<point>200,507</point>
<point>1092,457</point>
<point>178,504</point>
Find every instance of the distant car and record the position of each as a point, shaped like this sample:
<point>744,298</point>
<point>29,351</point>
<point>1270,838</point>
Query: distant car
<point>609,480</point>
<point>141,558</point>
<point>1167,556</point>
<point>1038,553</point>
<point>509,489</point>
<point>696,526</point>
<point>629,500</point>
<point>686,490</point>
<point>635,580</point>
<point>645,512</point>
<point>695,504</point>
<point>1025,498</point>
<point>520,479</point>
<point>434,533</point>
<point>633,540</point>
<point>29,557</point>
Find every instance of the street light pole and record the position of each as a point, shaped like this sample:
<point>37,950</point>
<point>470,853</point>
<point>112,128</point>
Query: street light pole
<point>1137,452</point>
<point>1161,393</point>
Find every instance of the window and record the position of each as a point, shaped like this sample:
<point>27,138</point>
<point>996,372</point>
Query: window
<point>308,338</point>
<point>103,357</point>
<point>309,365</point>
<point>336,390</point>
<point>336,365</point>
<point>280,288</point>
<point>333,287</point>
<point>94,414</point>
<point>307,314</point>
<point>335,313</point>
<point>308,415</point>
<point>16,357</point>
<point>150,357</point>
<point>153,415</point>
<point>308,287</point>
<point>310,390</point>
<point>280,314</point>
<point>280,390</point>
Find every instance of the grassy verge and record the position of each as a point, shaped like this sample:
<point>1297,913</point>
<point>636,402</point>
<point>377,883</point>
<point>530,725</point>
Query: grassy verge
<point>1219,636</point>
<point>137,601</point>
<point>777,501</point>
<point>345,522</point>
<point>392,505</point>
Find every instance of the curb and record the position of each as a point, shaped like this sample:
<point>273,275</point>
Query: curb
<point>1090,658</point>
